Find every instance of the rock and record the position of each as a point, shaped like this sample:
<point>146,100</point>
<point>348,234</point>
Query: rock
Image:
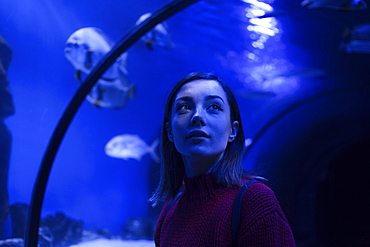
<point>65,231</point>
<point>18,215</point>
<point>138,228</point>
<point>13,242</point>
<point>94,233</point>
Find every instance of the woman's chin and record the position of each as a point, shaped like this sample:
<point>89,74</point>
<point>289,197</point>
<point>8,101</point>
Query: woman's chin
<point>201,153</point>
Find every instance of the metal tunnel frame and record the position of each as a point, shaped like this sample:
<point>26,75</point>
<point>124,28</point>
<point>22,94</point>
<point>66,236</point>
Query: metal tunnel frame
<point>33,220</point>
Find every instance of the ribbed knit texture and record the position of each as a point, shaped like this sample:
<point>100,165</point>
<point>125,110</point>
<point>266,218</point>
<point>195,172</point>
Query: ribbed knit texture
<point>202,217</point>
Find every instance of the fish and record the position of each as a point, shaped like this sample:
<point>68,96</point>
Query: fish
<point>361,32</point>
<point>128,146</point>
<point>110,94</point>
<point>339,5</point>
<point>357,46</point>
<point>336,5</point>
<point>357,40</point>
<point>157,36</point>
<point>84,48</point>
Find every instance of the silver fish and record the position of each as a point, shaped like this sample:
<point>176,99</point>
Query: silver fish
<point>340,5</point>
<point>156,36</point>
<point>130,146</point>
<point>361,32</point>
<point>84,48</point>
<point>357,40</point>
<point>357,46</point>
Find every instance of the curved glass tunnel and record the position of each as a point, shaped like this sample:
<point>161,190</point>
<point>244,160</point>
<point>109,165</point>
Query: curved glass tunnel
<point>304,100</point>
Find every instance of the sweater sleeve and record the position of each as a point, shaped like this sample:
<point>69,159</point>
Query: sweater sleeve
<point>263,223</point>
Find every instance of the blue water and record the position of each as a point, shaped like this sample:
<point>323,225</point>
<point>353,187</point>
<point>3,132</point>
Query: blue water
<point>85,183</point>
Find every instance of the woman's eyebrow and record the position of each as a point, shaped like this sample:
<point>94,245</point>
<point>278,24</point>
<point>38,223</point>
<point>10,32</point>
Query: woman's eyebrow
<point>185,98</point>
<point>209,97</point>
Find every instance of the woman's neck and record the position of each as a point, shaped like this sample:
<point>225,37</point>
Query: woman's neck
<point>196,166</point>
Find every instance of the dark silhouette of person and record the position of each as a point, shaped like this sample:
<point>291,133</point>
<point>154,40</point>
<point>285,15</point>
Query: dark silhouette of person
<point>6,110</point>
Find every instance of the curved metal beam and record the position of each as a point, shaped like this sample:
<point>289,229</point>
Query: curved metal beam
<point>33,220</point>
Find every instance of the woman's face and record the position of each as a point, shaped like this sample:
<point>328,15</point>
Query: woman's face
<point>200,121</point>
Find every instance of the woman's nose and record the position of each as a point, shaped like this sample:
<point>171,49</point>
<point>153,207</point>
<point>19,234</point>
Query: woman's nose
<point>197,119</point>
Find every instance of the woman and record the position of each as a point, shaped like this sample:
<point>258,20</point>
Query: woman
<point>202,152</point>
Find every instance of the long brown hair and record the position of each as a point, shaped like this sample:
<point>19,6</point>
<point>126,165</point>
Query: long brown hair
<point>229,170</point>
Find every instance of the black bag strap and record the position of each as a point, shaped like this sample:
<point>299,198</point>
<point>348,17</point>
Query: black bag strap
<point>236,209</point>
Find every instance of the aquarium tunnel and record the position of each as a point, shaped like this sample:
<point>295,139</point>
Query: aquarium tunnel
<point>82,92</point>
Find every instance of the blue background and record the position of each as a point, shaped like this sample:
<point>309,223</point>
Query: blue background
<point>102,191</point>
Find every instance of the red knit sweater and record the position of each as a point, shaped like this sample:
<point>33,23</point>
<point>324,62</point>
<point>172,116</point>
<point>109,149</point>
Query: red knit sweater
<point>202,217</point>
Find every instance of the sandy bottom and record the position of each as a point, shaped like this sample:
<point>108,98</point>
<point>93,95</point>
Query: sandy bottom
<point>115,243</point>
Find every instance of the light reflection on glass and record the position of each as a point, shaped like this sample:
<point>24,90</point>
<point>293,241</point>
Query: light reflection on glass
<point>266,67</point>
<point>261,5</point>
<point>262,65</point>
<point>261,26</point>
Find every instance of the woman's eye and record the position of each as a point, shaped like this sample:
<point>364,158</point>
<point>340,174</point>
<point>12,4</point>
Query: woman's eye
<point>183,107</point>
<point>215,107</point>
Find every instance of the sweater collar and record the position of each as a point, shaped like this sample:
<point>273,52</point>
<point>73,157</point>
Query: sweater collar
<point>201,187</point>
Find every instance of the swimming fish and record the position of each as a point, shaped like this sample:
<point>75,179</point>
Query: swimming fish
<point>84,48</point>
<point>130,146</point>
<point>358,40</point>
<point>157,36</point>
<point>361,32</point>
<point>340,5</point>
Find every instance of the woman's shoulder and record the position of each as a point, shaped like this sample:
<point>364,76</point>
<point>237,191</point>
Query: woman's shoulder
<point>259,200</point>
<point>262,214</point>
<point>258,188</point>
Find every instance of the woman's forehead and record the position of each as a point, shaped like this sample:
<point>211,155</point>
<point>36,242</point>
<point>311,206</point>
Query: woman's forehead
<point>201,87</point>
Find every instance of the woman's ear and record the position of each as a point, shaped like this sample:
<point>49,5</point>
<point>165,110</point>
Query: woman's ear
<point>234,131</point>
<point>169,132</point>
